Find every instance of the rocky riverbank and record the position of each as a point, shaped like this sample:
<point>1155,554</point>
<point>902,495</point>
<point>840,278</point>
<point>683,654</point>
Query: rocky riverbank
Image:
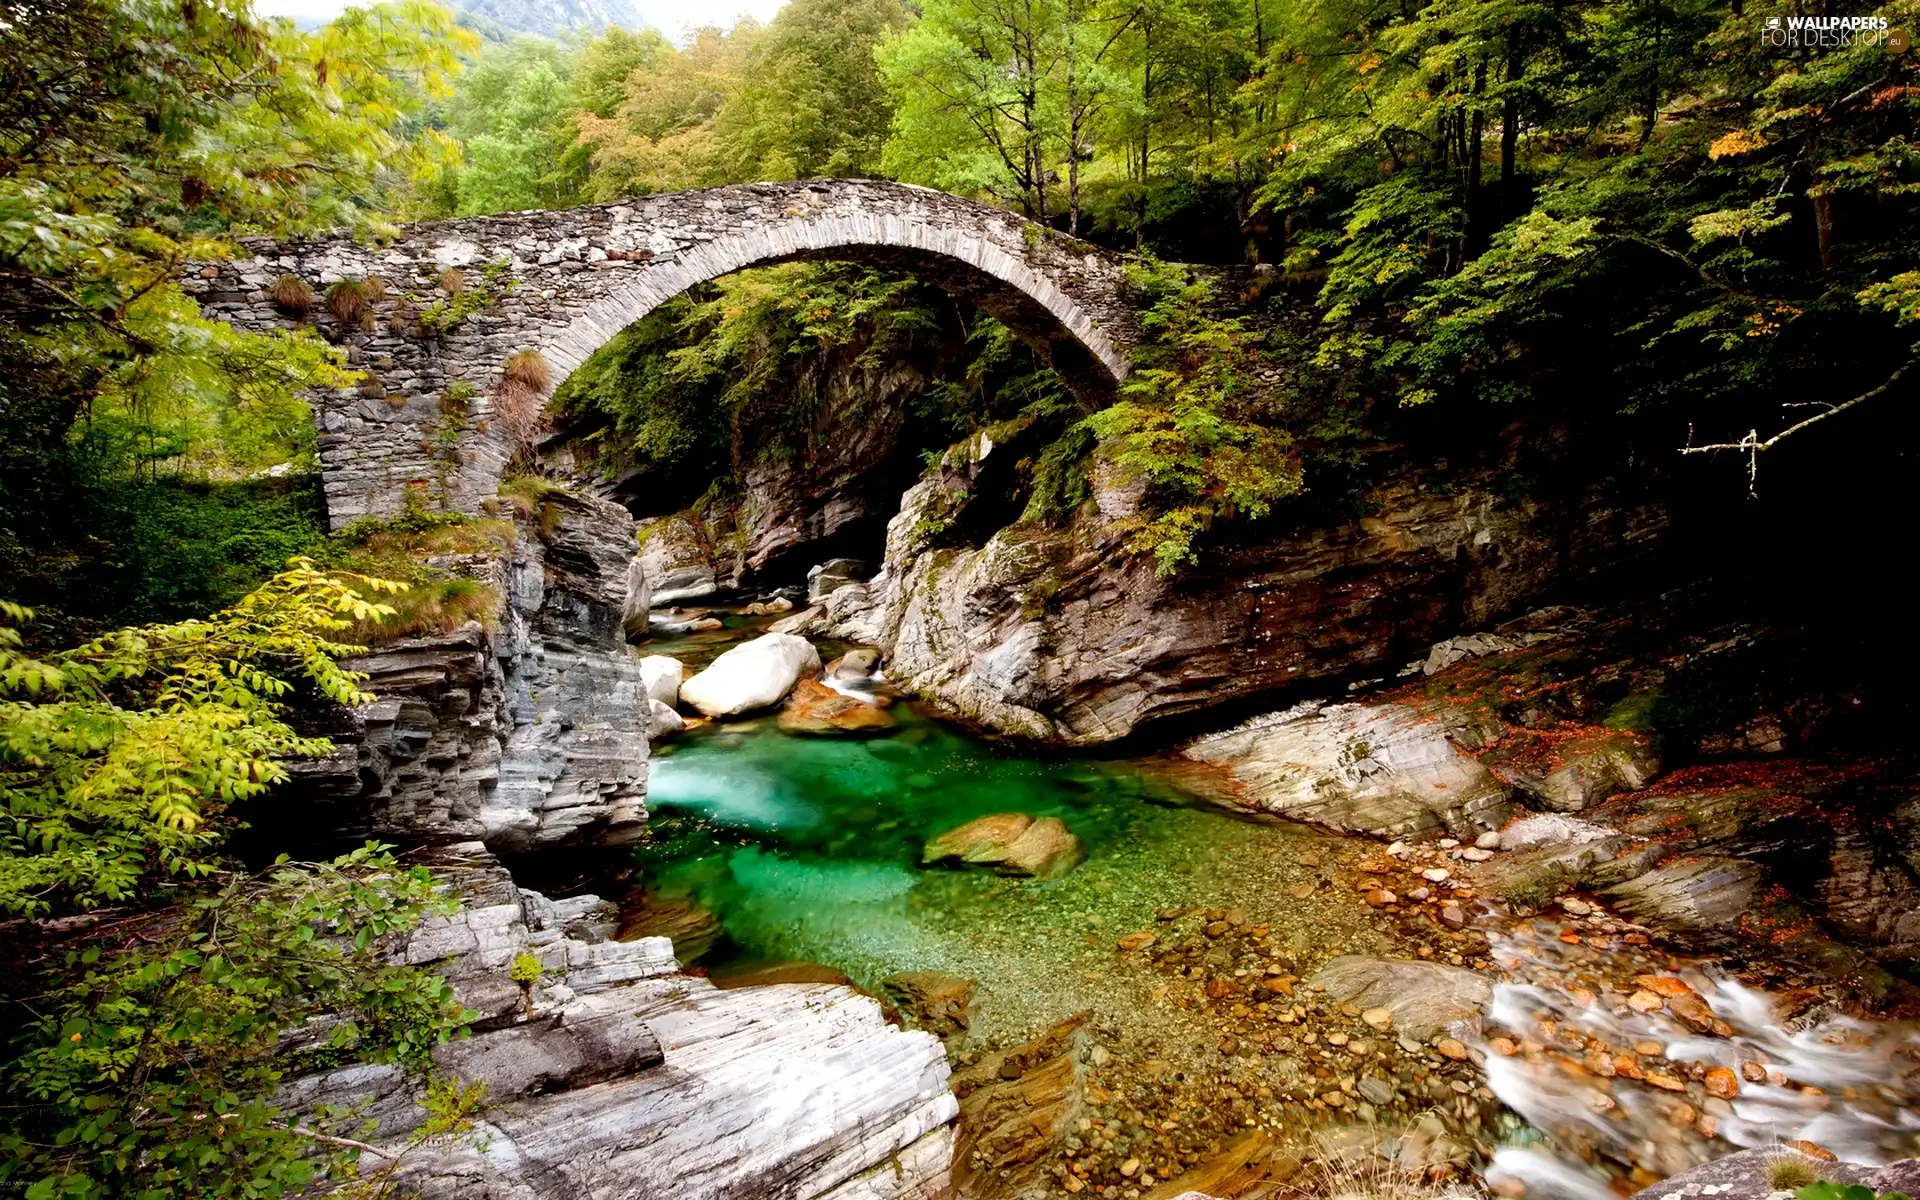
<point>1572,826</point>
<point>611,1072</point>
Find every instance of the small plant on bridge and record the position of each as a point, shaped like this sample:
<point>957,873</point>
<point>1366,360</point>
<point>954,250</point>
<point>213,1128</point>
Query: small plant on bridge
<point>442,316</point>
<point>458,398</point>
<point>350,305</point>
<point>519,402</point>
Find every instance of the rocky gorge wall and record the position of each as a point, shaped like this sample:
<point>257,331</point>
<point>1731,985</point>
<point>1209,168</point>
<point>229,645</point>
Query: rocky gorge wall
<point>613,1074</point>
<point>1056,632</point>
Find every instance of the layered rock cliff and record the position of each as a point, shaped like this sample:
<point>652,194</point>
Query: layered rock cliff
<point>1057,633</point>
<point>613,1074</point>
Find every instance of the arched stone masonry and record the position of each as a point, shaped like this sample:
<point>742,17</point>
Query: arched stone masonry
<point>581,275</point>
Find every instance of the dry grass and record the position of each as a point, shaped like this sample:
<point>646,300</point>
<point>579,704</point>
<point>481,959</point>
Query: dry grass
<point>527,368</point>
<point>404,549</point>
<point>1790,1171</point>
<point>520,401</point>
<point>430,606</point>
<point>348,302</point>
<point>531,496</point>
<point>452,282</point>
<point>374,287</point>
<point>292,296</point>
<point>1345,1173</point>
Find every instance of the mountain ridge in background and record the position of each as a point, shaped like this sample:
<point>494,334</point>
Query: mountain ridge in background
<point>501,20</point>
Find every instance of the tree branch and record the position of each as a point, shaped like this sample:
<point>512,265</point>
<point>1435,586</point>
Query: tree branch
<point>330,1140</point>
<point>1752,443</point>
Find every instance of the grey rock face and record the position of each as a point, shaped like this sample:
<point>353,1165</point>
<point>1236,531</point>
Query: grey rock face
<point>832,575</point>
<point>626,1080</point>
<point>630,1081</point>
<point>576,754</point>
<point>1060,634</point>
<point>1376,768</point>
<point>527,737</point>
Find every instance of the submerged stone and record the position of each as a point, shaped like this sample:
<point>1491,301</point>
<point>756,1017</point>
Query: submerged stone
<point>815,708</point>
<point>1013,843</point>
<point>938,1002</point>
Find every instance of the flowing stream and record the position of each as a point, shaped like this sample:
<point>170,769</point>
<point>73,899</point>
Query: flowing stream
<point>772,856</point>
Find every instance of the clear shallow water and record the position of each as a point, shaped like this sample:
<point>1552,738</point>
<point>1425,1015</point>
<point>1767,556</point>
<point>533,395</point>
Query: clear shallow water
<point>809,849</point>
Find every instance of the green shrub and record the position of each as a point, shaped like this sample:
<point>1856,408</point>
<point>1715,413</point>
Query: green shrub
<point>1845,1191</point>
<point>1195,421</point>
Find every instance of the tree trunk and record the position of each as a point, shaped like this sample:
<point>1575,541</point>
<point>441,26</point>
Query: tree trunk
<point>1823,228</point>
<point>1510,132</point>
<point>1476,221</point>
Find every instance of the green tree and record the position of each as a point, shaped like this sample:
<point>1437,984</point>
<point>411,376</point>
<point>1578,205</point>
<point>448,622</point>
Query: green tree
<point>811,103</point>
<point>116,756</point>
<point>514,117</point>
<point>975,107</point>
<point>1194,422</point>
<point>134,137</point>
<point>146,1063</point>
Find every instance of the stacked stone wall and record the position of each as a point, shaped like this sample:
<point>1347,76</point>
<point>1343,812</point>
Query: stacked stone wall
<point>578,276</point>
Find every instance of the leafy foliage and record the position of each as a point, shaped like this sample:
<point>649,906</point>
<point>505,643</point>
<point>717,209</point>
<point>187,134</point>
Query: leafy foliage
<point>1194,422</point>
<point>146,1065</point>
<point>739,370</point>
<point>116,756</point>
<point>134,139</point>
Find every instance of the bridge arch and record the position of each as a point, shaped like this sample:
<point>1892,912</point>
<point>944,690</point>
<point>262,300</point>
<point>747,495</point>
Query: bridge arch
<point>582,275</point>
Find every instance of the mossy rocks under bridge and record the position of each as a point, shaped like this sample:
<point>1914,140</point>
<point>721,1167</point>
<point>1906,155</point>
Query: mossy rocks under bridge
<point>433,316</point>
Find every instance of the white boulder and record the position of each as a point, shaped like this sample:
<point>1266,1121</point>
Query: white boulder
<point>662,676</point>
<point>755,674</point>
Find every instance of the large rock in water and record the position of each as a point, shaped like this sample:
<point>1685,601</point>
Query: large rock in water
<point>1011,843</point>
<point>1373,768</point>
<point>662,675</point>
<point>752,675</point>
<point>816,708</point>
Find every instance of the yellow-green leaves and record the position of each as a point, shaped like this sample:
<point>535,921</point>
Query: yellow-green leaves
<point>118,757</point>
<point>1195,423</point>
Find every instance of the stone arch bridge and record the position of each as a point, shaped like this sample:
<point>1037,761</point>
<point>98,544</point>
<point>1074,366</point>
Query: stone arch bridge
<point>578,276</point>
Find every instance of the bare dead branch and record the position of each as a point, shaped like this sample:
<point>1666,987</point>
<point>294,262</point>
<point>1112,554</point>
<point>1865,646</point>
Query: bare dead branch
<point>1752,444</point>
